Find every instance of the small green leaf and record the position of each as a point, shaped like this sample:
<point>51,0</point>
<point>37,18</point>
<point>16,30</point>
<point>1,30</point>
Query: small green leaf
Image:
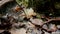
<point>23,2</point>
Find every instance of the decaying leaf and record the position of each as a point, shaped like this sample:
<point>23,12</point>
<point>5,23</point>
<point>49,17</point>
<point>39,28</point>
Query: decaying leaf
<point>54,27</point>
<point>37,21</point>
<point>29,13</point>
<point>18,31</point>
<point>18,8</point>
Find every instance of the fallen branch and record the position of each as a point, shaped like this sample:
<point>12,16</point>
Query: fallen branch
<point>52,19</point>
